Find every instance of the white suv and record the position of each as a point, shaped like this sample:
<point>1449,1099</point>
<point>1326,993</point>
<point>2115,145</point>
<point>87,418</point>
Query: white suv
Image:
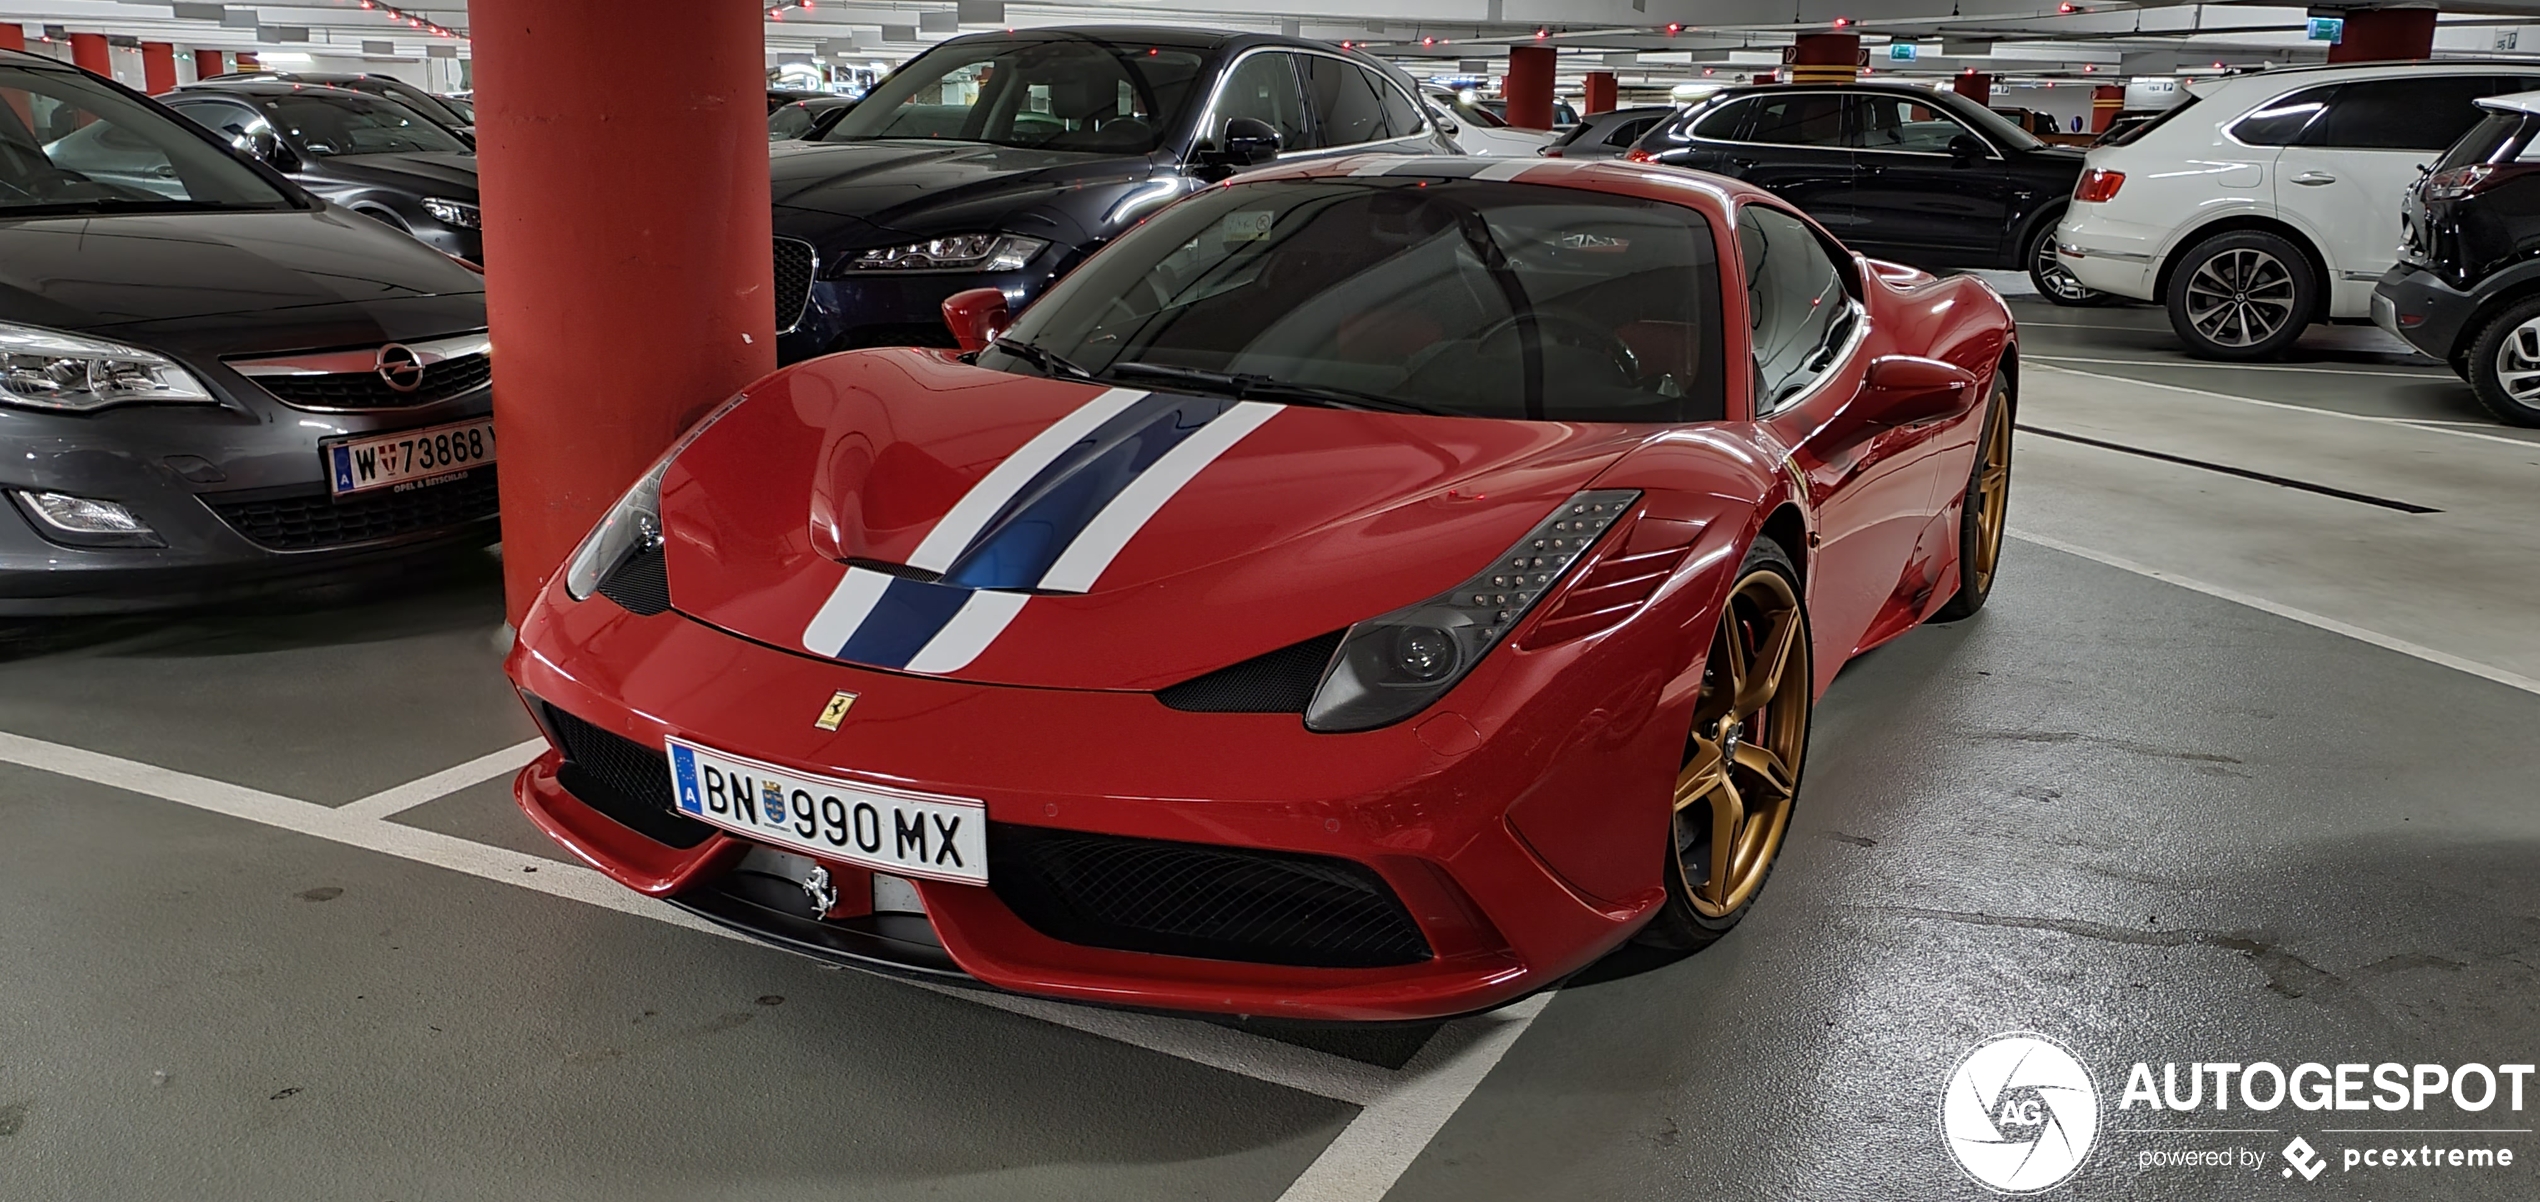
<point>2268,201</point>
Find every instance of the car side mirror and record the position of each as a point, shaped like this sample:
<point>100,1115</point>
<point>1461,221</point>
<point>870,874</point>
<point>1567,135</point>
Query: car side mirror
<point>1446,125</point>
<point>977,316</point>
<point>1904,390</point>
<point>1250,142</point>
<point>1965,149</point>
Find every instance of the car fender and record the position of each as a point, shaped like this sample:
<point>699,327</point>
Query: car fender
<point>2217,210</point>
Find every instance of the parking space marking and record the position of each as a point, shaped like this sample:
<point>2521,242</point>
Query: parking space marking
<point>2202,365</point>
<point>2410,423</point>
<point>1379,1145</point>
<point>441,784</point>
<point>2511,680</point>
<point>1225,1049</point>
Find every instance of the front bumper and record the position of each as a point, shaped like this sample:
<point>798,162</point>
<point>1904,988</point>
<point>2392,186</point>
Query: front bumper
<point>1427,808</point>
<point>2419,308</point>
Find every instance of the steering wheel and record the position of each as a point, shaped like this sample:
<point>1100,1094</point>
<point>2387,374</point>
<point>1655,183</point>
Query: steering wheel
<point>1568,329</point>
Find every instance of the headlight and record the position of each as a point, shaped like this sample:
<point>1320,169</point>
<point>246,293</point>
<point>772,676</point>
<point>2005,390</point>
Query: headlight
<point>960,252</point>
<point>633,525</point>
<point>47,369</point>
<point>1391,667</point>
<point>453,212</point>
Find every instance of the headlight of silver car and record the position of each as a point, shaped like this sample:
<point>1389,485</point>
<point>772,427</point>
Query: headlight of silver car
<point>959,252</point>
<point>458,213</point>
<point>1391,667</point>
<point>48,369</point>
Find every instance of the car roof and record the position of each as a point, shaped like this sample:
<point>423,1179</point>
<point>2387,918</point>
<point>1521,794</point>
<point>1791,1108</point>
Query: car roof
<point>2518,102</point>
<point>271,87</point>
<point>2321,73</point>
<point>1712,195</point>
<point>21,58</point>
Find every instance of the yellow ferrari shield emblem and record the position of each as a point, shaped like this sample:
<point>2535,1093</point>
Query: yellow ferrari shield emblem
<point>836,711</point>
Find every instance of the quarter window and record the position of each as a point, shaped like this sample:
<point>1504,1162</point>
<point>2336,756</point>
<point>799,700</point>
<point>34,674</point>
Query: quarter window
<point>1263,87</point>
<point>1797,310</point>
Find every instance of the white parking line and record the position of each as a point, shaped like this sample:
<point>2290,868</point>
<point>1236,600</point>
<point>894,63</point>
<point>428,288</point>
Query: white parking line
<point>1398,1104</point>
<point>2202,365</point>
<point>1376,1148</point>
<point>2410,423</point>
<point>2511,680</point>
<point>445,782</point>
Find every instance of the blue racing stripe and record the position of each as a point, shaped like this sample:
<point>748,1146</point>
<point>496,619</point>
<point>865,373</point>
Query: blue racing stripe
<point>909,615</point>
<point>1018,545</point>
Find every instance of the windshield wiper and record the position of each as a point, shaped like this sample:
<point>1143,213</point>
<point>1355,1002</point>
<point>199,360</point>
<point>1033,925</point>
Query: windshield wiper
<point>1245,385</point>
<point>1050,362</point>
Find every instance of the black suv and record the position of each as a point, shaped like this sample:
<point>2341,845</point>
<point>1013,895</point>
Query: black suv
<point>1003,159</point>
<point>1926,178</point>
<point>2466,288</point>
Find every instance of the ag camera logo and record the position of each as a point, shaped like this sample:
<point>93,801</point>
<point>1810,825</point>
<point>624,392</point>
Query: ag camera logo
<point>2020,1113</point>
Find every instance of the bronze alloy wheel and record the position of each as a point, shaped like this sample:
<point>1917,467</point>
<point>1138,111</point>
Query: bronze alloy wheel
<point>1741,772</point>
<point>1992,498</point>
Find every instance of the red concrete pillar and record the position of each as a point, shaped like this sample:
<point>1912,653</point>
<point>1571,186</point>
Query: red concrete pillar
<point>2377,34</point>
<point>2105,102</point>
<point>1974,85</point>
<point>620,323</point>
<point>89,53</point>
<point>207,63</point>
<point>12,36</point>
<point>158,67</point>
<point>1825,58</point>
<point>1528,89</point>
<point>1600,92</point>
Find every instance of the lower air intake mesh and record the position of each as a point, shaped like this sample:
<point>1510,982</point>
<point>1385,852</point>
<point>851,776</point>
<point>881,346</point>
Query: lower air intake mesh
<point>621,778</point>
<point>1185,899</point>
<point>1279,682</point>
<point>640,585</point>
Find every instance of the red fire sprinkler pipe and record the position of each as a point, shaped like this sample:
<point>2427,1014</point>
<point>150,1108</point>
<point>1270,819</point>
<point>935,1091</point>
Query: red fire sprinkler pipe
<point>629,265</point>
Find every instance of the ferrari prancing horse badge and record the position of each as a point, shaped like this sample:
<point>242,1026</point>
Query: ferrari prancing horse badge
<point>836,711</point>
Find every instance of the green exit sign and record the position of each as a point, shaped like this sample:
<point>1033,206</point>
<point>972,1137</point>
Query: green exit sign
<point>1902,52</point>
<point>2328,29</point>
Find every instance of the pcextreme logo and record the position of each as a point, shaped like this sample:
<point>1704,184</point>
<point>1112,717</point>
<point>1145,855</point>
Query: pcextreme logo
<point>2021,1114</point>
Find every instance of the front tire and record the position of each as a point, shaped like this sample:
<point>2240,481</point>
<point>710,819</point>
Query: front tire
<point>2246,294</point>
<point>2048,274</point>
<point>2504,363</point>
<point>1981,516</point>
<point>1739,780</point>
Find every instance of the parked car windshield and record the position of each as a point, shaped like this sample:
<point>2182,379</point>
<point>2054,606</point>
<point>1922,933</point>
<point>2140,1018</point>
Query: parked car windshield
<point>339,122</point>
<point>1464,297</point>
<point>1071,93</point>
<point>68,144</point>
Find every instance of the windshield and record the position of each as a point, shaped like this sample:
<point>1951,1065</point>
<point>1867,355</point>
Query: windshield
<point>1073,93</point>
<point>2131,136</point>
<point>70,145</point>
<point>336,122</point>
<point>2002,130</point>
<point>1473,298</point>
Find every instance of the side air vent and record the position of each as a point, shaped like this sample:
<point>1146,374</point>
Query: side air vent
<point>1279,682</point>
<point>641,585</point>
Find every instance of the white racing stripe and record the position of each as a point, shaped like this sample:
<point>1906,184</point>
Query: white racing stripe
<point>978,623</point>
<point>846,609</point>
<point>1507,170</point>
<point>968,516</point>
<point>1093,550</point>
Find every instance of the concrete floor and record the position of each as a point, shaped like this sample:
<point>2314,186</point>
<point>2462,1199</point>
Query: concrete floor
<point>2228,771</point>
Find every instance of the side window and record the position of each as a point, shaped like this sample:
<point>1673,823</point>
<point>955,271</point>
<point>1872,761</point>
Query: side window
<point>1263,87</point>
<point>1897,123</point>
<point>1724,123</point>
<point>1630,131</point>
<point>1402,116</point>
<point>1805,119</point>
<point>2406,113</point>
<point>1347,107</point>
<point>1797,311</point>
<point>2281,121</point>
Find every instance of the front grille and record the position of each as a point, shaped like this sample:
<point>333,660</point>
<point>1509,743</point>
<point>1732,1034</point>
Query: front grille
<point>620,778</point>
<point>1278,682</point>
<point>1184,899</point>
<point>640,585</point>
<point>795,261</point>
<point>316,520</point>
<point>366,390</point>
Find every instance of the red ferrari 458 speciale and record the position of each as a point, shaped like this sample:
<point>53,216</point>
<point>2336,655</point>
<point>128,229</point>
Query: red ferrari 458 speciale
<point>1372,588</point>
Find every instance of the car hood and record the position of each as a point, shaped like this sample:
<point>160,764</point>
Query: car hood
<point>902,185</point>
<point>100,273</point>
<point>441,173</point>
<point>903,510</point>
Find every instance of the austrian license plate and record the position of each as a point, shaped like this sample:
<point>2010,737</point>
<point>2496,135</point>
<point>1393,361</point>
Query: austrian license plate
<point>911,834</point>
<point>409,458</point>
